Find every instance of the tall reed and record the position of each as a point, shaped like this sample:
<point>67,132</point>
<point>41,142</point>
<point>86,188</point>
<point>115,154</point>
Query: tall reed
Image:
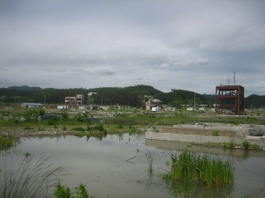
<point>150,157</point>
<point>211,171</point>
<point>31,179</point>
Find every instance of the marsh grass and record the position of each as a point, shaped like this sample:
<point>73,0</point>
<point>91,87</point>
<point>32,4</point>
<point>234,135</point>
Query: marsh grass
<point>150,158</point>
<point>211,171</point>
<point>65,192</point>
<point>6,142</point>
<point>31,179</point>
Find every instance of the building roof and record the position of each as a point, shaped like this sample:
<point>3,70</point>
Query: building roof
<point>156,100</point>
<point>31,104</point>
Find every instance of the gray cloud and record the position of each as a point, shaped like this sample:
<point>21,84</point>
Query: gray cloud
<point>175,44</point>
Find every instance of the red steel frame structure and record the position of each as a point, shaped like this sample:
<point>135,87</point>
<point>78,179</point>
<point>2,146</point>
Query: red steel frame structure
<point>229,97</point>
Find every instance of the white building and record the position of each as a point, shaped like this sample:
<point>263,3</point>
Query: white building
<point>151,102</point>
<point>31,105</point>
<point>156,109</point>
<point>62,107</point>
<point>170,108</point>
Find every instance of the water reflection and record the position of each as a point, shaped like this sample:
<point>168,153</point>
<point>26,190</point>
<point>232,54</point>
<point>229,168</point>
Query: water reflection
<point>190,189</point>
<point>116,166</point>
<point>181,146</point>
<point>249,170</point>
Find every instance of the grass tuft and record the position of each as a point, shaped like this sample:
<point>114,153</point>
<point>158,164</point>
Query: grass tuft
<point>31,179</point>
<point>211,171</point>
<point>150,158</point>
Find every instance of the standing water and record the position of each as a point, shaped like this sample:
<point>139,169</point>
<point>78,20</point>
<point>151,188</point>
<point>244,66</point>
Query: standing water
<point>119,166</point>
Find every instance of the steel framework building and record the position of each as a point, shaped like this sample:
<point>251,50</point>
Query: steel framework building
<point>230,97</point>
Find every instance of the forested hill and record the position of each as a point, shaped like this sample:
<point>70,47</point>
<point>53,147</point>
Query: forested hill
<point>255,102</point>
<point>24,87</point>
<point>132,95</point>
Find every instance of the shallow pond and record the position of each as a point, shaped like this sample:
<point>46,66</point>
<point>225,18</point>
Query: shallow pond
<point>117,166</point>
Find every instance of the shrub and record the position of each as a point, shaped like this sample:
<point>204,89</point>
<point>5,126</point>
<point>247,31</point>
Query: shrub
<point>246,145</point>
<point>120,126</point>
<point>100,127</point>
<point>41,112</point>
<point>105,132</point>
<point>79,118</point>
<point>88,128</point>
<point>52,122</point>
<point>216,132</point>
<point>65,116</point>
<point>79,129</point>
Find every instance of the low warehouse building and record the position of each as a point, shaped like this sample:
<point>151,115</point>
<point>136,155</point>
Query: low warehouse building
<point>31,105</point>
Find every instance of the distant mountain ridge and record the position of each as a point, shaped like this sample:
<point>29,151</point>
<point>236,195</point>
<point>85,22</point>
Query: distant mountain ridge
<point>24,87</point>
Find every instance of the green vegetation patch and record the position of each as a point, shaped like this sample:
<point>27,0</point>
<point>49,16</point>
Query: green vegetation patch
<point>216,132</point>
<point>65,192</point>
<point>79,129</point>
<point>201,168</point>
<point>6,142</point>
<point>32,178</point>
<point>246,145</point>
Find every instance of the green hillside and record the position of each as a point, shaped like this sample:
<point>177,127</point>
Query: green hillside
<point>132,96</point>
<point>255,102</point>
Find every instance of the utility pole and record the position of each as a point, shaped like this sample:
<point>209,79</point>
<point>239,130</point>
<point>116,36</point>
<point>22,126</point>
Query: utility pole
<point>44,101</point>
<point>3,100</point>
<point>194,103</point>
<point>234,77</point>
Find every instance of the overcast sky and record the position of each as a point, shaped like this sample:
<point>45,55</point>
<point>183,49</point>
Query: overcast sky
<point>168,44</point>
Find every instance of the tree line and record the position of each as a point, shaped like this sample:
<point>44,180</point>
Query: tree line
<point>132,96</point>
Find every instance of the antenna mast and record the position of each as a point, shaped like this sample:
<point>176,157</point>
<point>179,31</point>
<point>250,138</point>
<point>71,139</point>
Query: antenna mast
<point>234,77</point>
